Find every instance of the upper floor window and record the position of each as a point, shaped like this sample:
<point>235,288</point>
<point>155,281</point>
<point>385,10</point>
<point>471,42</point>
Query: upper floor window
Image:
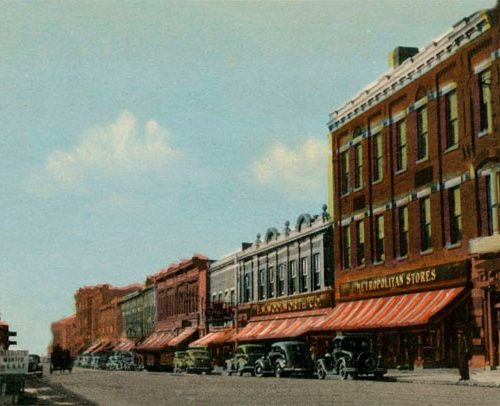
<point>422,140</point>
<point>246,288</point>
<point>358,166</point>
<point>451,119</point>
<point>425,224</point>
<point>281,279</point>
<point>378,157</point>
<point>262,284</point>
<point>401,150</point>
<point>360,243</point>
<point>316,271</point>
<point>272,278</point>
<point>304,274</point>
<point>455,208</point>
<point>379,238</point>
<point>346,247</point>
<point>344,172</point>
<point>293,278</point>
<point>485,102</point>
<point>403,231</point>
<point>233,297</point>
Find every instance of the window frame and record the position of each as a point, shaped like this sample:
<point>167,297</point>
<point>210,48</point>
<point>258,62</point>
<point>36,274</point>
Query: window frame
<point>401,146</point>
<point>379,239</point>
<point>451,114</point>
<point>422,134</point>
<point>425,224</point>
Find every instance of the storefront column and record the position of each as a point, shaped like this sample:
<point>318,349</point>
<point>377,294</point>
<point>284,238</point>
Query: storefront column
<point>489,328</point>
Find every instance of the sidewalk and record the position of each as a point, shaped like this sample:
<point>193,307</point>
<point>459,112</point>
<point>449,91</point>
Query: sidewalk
<point>443,376</point>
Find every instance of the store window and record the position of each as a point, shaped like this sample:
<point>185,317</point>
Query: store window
<point>316,272</point>
<point>304,273</point>
<point>451,120</point>
<point>401,146</point>
<point>403,231</point>
<point>422,140</point>
<point>379,238</point>
<point>360,243</point>
<point>293,278</point>
<point>346,247</point>
<point>344,173</point>
<point>485,102</point>
<point>455,208</point>
<point>378,157</point>
<point>425,224</point>
<point>272,278</point>
<point>281,280</point>
<point>358,166</point>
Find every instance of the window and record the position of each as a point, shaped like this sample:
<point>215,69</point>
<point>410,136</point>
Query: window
<point>233,302</point>
<point>246,288</point>
<point>401,159</point>
<point>425,224</point>
<point>304,273</point>
<point>485,102</point>
<point>281,279</point>
<point>262,284</point>
<point>316,272</point>
<point>344,172</point>
<point>451,120</point>
<point>346,247</point>
<point>358,166</point>
<point>378,157</point>
<point>455,215</point>
<point>272,277</point>
<point>214,298</point>
<point>293,277</point>
<point>422,133</point>
<point>379,238</point>
<point>360,243</point>
<point>403,231</point>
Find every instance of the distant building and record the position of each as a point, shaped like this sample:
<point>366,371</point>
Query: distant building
<point>64,334</point>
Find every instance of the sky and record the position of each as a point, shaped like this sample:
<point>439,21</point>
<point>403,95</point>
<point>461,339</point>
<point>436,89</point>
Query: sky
<point>134,134</point>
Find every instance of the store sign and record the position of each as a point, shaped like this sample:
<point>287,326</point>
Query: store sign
<point>411,280</point>
<point>13,362</point>
<point>309,302</point>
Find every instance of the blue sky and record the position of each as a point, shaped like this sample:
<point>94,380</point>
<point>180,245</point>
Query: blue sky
<point>137,133</point>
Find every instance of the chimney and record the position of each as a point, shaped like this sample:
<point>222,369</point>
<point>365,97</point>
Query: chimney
<point>400,54</point>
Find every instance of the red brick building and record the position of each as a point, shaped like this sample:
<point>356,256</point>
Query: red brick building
<point>181,301</point>
<point>64,334</point>
<point>415,163</point>
<point>97,315</point>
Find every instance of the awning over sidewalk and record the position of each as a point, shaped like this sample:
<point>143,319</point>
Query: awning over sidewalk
<point>284,325</point>
<point>214,338</point>
<point>105,345</point>
<point>160,340</point>
<point>93,346</point>
<point>125,344</point>
<point>412,309</point>
<point>182,336</point>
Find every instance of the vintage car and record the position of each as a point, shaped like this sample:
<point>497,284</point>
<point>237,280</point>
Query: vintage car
<point>179,361</point>
<point>244,359</point>
<point>60,360</point>
<point>35,367</point>
<point>285,358</point>
<point>198,360</point>
<point>351,356</point>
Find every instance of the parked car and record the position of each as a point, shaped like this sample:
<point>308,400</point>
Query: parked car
<point>35,367</point>
<point>198,360</point>
<point>351,356</point>
<point>60,360</point>
<point>285,358</point>
<point>179,361</point>
<point>244,359</point>
<point>85,360</point>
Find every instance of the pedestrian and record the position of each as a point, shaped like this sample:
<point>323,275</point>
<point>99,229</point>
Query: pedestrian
<point>464,355</point>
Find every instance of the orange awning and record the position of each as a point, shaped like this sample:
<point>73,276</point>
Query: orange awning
<point>105,345</point>
<point>284,325</point>
<point>125,344</point>
<point>182,336</point>
<point>214,338</point>
<point>412,309</point>
<point>156,341</point>
<point>93,346</point>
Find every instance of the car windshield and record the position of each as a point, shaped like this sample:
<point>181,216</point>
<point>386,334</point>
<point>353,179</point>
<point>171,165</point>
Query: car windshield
<point>298,349</point>
<point>255,350</point>
<point>356,344</point>
<point>198,353</point>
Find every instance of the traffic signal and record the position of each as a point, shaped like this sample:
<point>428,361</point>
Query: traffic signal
<point>9,342</point>
<point>5,335</point>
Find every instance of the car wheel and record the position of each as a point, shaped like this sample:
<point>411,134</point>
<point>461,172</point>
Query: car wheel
<point>278,371</point>
<point>229,372</point>
<point>240,372</point>
<point>342,369</point>
<point>320,372</point>
<point>379,375</point>
<point>259,371</point>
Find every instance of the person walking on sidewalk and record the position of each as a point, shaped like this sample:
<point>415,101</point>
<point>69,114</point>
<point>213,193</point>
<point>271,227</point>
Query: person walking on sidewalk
<point>464,356</point>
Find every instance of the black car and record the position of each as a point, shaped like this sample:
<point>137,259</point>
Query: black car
<point>285,358</point>
<point>35,367</point>
<point>351,356</point>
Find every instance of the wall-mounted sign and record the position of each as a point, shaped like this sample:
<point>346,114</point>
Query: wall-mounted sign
<point>13,362</point>
<point>409,280</point>
<point>309,302</point>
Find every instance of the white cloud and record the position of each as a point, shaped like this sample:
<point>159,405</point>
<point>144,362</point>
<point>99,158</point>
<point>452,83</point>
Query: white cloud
<point>117,149</point>
<point>301,169</point>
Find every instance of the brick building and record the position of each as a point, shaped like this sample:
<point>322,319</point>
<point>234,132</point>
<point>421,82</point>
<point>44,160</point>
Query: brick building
<point>64,334</point>
<point>415,158</point>
<point>181,302</point>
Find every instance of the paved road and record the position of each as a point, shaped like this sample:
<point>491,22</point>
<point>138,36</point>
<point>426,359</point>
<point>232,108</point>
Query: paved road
<point>145,388</point>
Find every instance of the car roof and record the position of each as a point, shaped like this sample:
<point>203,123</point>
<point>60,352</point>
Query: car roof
<point>287,343</point>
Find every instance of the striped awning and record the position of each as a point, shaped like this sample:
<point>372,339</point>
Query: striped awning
<point>157,340</point>
<point>213,338</point>
<point>125,344</point>
<point>94,345</point>
<point>182,336</point>
<point>105,345</point>
<point>412,309</point>
<point>284,325</point>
